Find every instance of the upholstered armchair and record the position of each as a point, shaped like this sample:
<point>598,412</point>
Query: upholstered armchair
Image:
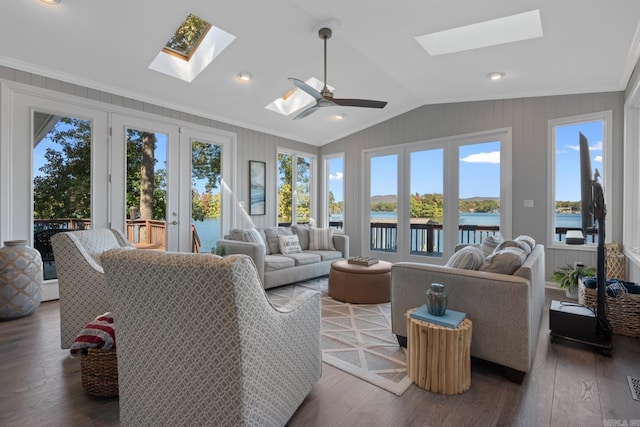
<point>81,282</point>
<point>199,343</point>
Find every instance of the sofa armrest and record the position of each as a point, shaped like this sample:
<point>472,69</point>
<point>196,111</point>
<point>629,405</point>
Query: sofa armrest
<point>254,250</point>
<point>341,243</point>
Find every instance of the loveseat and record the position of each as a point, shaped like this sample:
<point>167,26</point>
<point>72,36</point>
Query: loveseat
<point>505,309</point>
<point>284,255</point>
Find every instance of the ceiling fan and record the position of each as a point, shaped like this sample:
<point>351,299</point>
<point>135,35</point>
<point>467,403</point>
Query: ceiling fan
<point>325,98</point>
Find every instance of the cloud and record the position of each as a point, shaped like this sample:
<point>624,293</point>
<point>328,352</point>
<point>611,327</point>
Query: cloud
<point>492,157</point>
<point>597,159</point>
<point>338,175</point>
<point>596,146</point>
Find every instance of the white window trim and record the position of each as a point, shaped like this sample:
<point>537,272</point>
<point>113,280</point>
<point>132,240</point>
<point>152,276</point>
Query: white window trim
<point>450,145</point>
<point>324,218</point>
<point>607,119</point>
<point>631,203</point>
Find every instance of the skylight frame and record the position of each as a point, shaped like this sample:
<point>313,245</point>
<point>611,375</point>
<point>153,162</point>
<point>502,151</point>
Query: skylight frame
<point>508,29</point>
<point>295,99</point>
<point>214,41</point>
<point>193,48</point>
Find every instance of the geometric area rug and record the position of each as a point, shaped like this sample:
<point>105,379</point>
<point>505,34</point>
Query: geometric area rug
<point>356,338</point>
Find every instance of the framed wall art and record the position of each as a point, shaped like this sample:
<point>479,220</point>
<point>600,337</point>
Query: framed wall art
<point>257,178</point>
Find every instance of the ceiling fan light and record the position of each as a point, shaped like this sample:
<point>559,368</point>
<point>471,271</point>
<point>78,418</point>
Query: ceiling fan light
<point>244,76</point>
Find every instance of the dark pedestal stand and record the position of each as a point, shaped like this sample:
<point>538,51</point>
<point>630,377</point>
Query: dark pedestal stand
<point>578,323</point>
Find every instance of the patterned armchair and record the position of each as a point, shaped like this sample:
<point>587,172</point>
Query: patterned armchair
<point>81,282</point>
<point>200,344</point>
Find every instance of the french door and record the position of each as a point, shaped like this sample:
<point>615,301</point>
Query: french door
<point>170,184</point>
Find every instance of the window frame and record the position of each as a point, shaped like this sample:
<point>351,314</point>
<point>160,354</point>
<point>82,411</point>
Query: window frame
<point>606,117</point>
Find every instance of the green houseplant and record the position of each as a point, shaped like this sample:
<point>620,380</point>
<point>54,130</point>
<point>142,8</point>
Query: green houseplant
<point>567,278</point>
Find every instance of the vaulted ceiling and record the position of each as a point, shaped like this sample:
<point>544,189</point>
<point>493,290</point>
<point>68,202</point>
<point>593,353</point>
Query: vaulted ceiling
<point>587,46</point>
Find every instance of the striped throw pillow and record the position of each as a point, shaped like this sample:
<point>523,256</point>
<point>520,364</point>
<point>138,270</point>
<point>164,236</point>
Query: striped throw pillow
<point>321,239</point>
<point>468,258</point>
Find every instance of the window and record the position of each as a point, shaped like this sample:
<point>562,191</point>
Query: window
<point>334,191</point>
<point>564,180</point>
<point>294,188</point>
<point>454,190</point>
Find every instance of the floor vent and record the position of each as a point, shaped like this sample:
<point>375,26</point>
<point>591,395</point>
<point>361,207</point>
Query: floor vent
<point>634,385</point>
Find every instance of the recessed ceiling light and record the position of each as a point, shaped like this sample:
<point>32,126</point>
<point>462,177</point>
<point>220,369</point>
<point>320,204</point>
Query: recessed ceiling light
<point>244,76</point>
<point>50,1</point>
<point>522,26</point>
<point>496,75</point>
<point>339,116</point>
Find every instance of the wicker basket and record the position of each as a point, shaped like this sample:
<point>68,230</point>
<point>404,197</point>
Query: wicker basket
<point>616,262</point>
<point>623,312</point>
<point>100,372</point>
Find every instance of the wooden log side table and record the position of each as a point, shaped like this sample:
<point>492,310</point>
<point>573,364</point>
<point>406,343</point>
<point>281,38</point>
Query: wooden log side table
<point>439,358</point>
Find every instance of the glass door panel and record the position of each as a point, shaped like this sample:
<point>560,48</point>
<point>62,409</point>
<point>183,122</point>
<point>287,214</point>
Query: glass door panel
<point>426,202</point>
<point>61,180</point>
<point>206,200</point>
<point>383,196</point>
<point>146,189</point>
<point>479,191</point>
<point>303,190</point>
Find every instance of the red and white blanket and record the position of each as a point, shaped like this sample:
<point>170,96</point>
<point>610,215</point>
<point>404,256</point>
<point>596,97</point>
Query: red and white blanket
<point>100,333</point>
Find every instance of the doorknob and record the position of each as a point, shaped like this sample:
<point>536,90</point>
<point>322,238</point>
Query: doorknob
<point>174,222</point>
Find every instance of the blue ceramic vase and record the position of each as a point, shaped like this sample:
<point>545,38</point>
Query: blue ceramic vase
<point>436,300</point>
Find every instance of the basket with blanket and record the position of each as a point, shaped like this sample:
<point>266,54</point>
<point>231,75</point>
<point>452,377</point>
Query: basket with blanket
<point>96,346</point>
<point>622,306</point>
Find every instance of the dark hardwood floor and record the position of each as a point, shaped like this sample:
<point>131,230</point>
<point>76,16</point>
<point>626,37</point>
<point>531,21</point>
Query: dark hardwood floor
<point>570,385</point>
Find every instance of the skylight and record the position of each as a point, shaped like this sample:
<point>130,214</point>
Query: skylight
<point>295,99</point>
<point>193,46</point>
<point>522,26</point>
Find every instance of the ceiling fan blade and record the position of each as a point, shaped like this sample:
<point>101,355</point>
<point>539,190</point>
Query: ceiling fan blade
<point>306,112</point>
<point>306,88</point>
<point>367,103</point>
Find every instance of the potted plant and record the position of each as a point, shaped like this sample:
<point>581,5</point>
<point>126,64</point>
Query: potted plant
<point>567,278</point>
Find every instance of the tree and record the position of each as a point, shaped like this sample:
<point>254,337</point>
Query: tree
<point>285,194</point>
<point>146,186</point>
<point>63,190</point>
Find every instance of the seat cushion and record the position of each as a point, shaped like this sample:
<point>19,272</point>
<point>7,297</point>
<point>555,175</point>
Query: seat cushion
<point>278,262</point>
<point>304,258</point>
<point>327,255</point>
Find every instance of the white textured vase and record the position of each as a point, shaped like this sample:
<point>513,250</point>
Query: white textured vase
<point>20,279</point>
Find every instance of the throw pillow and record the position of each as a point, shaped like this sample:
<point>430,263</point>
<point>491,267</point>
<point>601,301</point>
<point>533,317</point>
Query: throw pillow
<point>289,245</point>
<point>302,231</point>
<point>321,239</point>
<point>489,244</point>
<point>252,235</point>
<point>469,258</point>
<point>272,234</point>
<point>514,244</point>
<point>236,234</point>
<point>528,240</point>
<point>505,261</point>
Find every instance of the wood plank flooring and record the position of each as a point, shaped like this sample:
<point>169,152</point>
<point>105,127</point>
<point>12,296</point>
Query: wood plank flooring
<point>569,385</point>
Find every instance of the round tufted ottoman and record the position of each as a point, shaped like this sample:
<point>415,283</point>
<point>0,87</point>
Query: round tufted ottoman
<point>360,284</point>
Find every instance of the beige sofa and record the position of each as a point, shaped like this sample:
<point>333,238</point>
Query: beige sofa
<point>275,268</point>
<point>505,309</point>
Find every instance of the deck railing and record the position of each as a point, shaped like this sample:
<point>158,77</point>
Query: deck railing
<point>426,239</point>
